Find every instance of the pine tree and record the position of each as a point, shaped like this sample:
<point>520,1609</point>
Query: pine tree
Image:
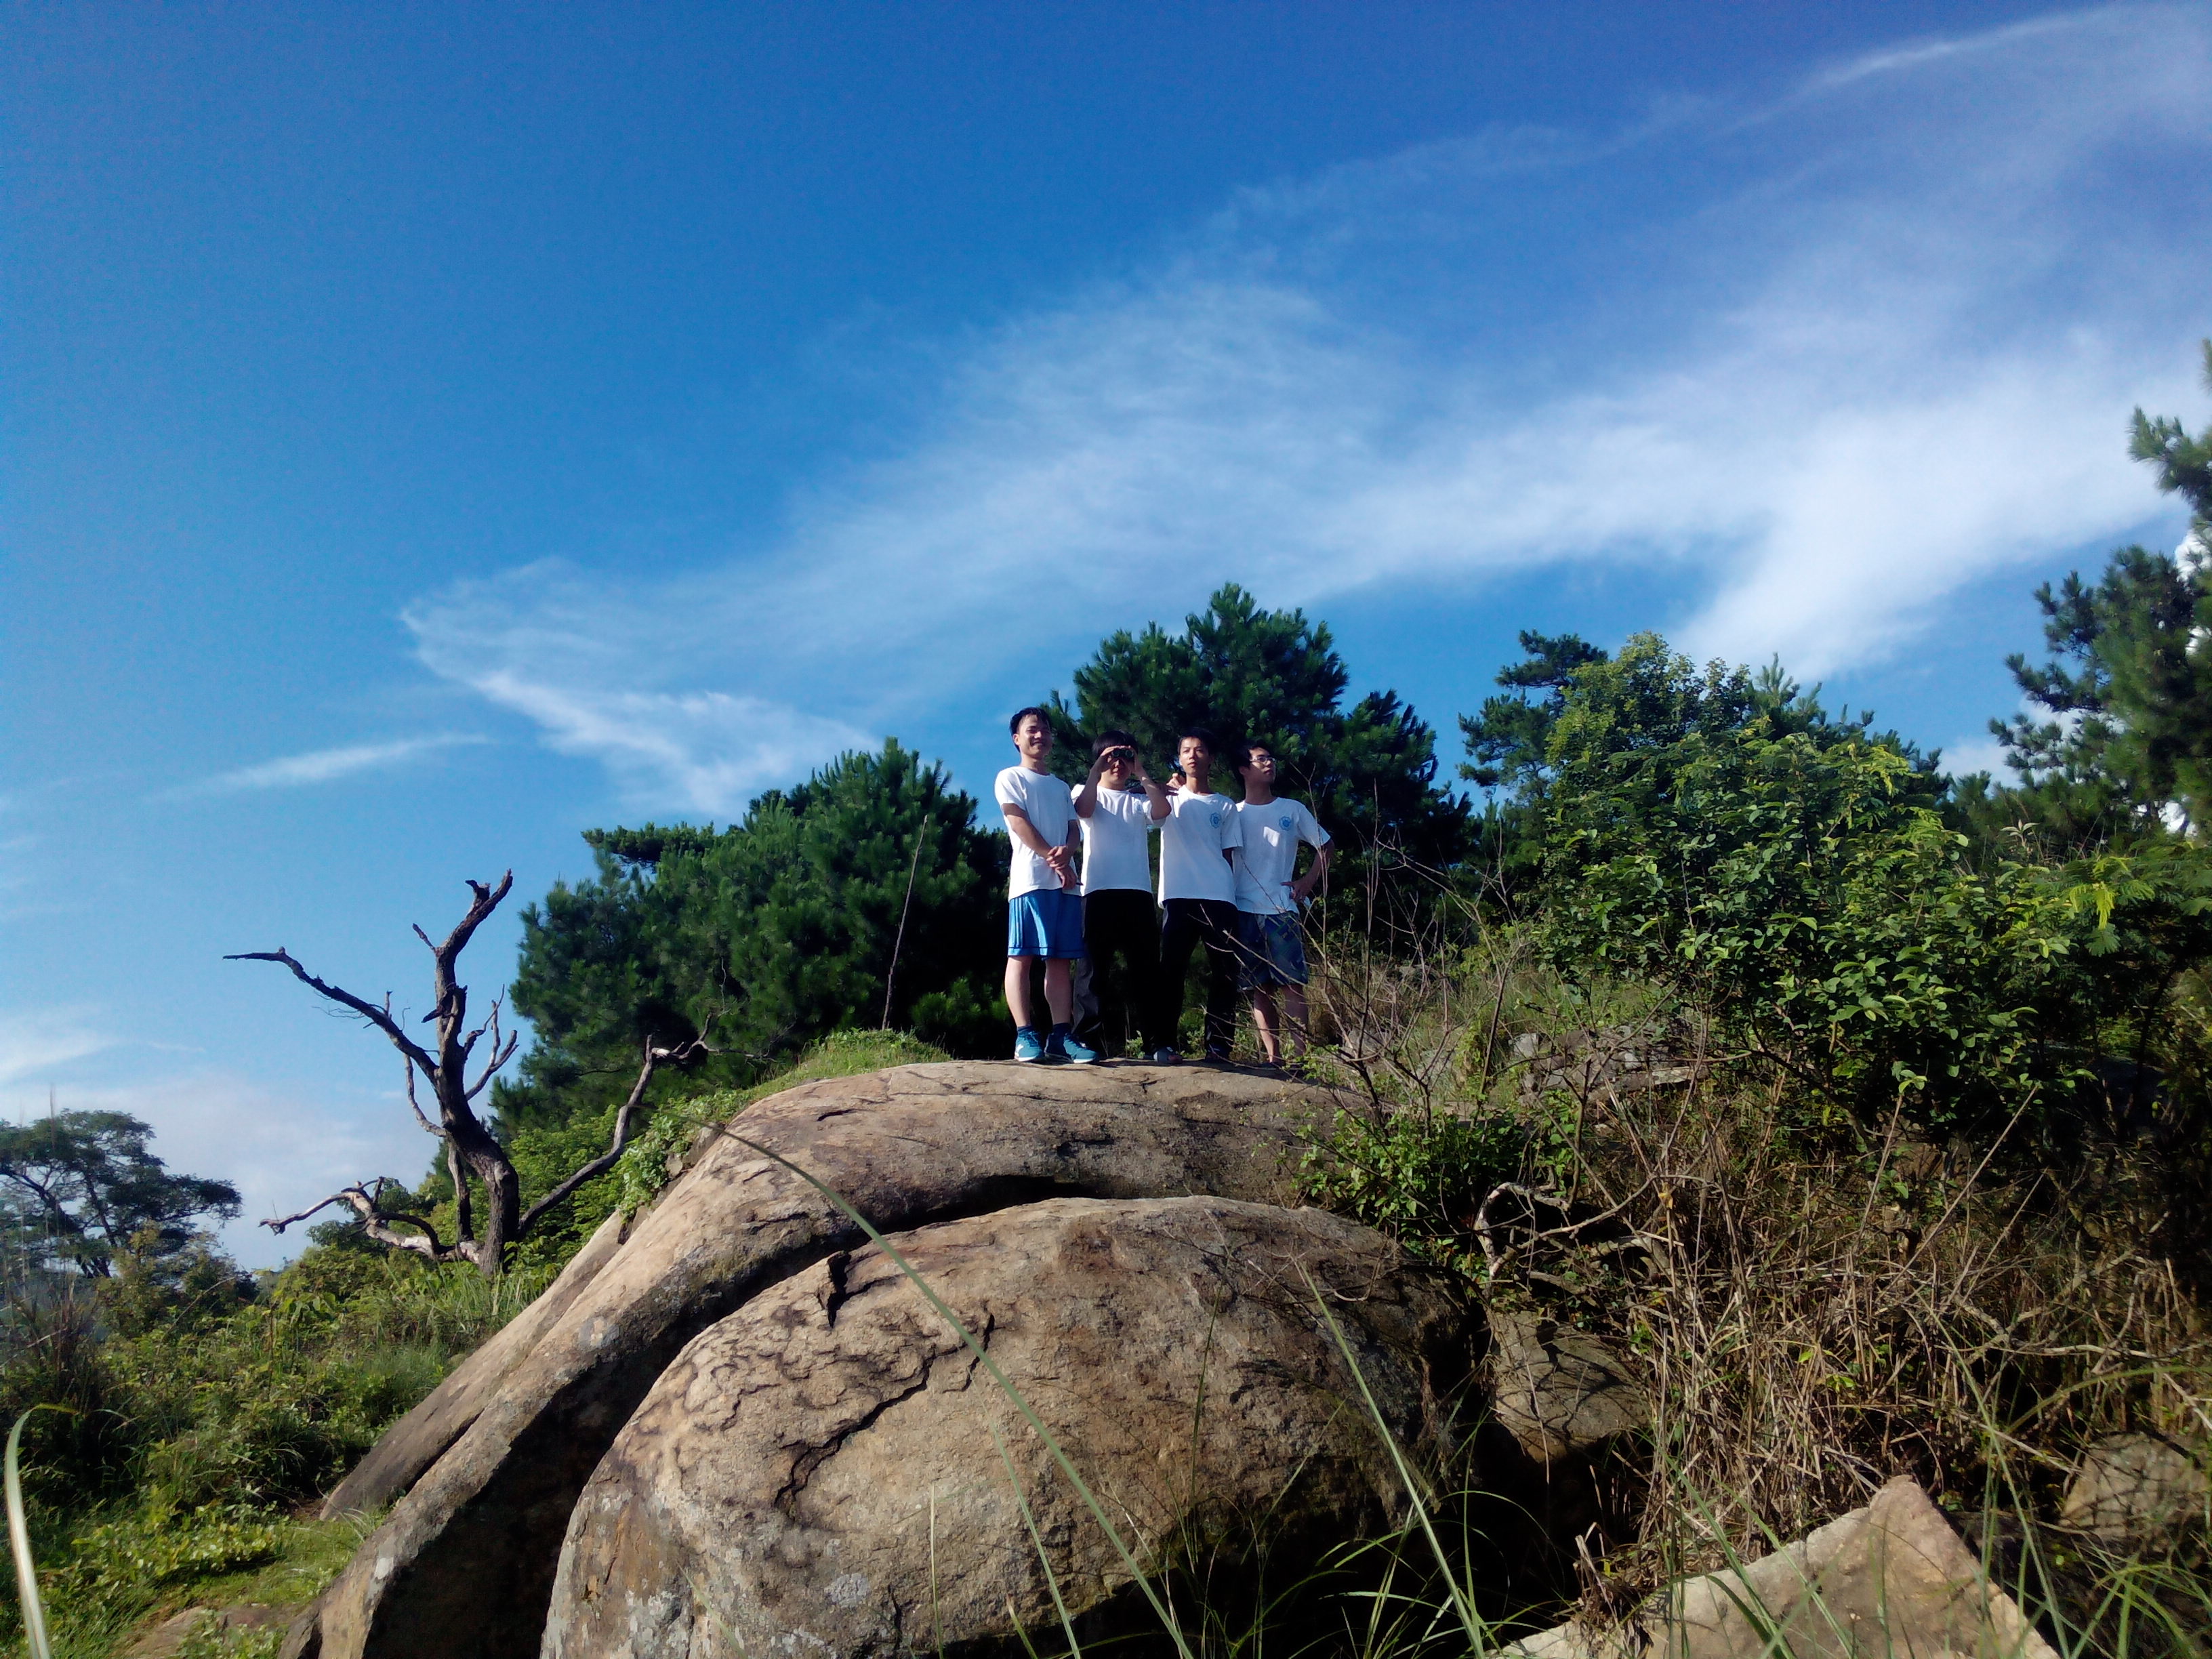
<point>1369,772</point>
<point>766,936</point>
<point>2126,751</point>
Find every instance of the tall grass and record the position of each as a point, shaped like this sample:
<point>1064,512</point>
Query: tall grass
<point>1816,1303</point>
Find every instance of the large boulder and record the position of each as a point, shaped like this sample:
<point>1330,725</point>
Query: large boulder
<point>823,1472</point>
<point>465,1564</point>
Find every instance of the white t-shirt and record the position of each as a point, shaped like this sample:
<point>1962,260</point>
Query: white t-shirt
<point>1197,831</point>
<point>1050,804</point>
<point>1117,844</point>
<point>1268,854</point>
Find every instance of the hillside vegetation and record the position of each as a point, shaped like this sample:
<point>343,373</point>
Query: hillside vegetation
<point>1869,1107</point>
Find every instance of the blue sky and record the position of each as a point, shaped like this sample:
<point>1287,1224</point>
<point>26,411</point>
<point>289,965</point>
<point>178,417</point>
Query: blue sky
<point>431,431</point>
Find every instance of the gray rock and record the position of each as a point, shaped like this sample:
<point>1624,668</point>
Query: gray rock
<point>2133,1488</point>
<point>1558,1392</point>
<point>820,1473</point>
<point>1891,1580</point>
<point>417,1440</point>
<point>465,1564</point>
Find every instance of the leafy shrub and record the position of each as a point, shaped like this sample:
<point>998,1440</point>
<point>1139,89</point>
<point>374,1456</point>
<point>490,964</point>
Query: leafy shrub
<point>1421,1176</point>
<point>159,1547</point>
<point>1791,881</point>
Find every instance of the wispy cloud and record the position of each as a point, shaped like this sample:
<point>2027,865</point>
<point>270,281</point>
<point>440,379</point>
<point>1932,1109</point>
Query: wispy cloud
<point>1881,347</point>
<point>36,1043</point>
<point>325,765</point>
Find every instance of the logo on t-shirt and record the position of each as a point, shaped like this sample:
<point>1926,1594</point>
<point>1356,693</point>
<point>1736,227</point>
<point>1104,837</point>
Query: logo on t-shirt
<point>1283,822</point>
<point>1215,819</point>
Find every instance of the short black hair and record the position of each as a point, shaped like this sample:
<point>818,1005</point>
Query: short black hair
<point>1245,751</point>
<point>1112,739</point>
<point>1212,743</point>
<point>1014,725</point>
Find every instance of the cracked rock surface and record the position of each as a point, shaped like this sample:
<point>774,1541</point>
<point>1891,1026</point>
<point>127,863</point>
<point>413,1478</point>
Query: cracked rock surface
<point>830,1471</point>
<point>464,1565</point>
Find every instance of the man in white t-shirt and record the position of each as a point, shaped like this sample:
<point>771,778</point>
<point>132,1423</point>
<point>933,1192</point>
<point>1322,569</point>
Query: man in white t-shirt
<point>1044,902</point>
<point>1269,895</point>
<point>1198,899</point>
<point>1121,927</point>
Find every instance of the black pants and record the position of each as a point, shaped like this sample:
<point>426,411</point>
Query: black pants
<point>1117,980</point>
<point>1188,923</point>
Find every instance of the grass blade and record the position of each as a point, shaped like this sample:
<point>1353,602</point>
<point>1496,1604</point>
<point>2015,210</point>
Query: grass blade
<point>19,1541</point>
<point>1044,1556</point>
<point>1477,1633</point>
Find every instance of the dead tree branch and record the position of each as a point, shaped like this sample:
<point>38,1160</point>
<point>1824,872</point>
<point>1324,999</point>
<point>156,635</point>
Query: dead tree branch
<point>472,1150</point>
<point>683,1053</point>
<point>362,1198</point>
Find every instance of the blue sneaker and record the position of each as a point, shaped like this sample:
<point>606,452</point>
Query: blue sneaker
<point>1027,1049</point>
<point>1061,1046</point>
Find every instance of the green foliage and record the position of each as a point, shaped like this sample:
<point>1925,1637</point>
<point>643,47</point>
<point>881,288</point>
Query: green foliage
<point>766,938</point>
<point>1421,1176</point>
<point>2128,692</point>
<point>77,1188</point>
<point>1508,741</point>
<point>1369,772</point>
<point>159,1547</point>
<point>1786,876</point>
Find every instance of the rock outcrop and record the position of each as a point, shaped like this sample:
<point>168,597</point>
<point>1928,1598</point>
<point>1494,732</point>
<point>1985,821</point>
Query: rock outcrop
<point>465,1564</point>
<point>1891,1580</point>
<point>830,1471</point>
<point>1559,1393</point>
<point>2134,1488</point>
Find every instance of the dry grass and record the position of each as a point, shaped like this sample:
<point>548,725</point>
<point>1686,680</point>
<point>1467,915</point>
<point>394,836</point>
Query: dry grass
<point>1816,1303</point>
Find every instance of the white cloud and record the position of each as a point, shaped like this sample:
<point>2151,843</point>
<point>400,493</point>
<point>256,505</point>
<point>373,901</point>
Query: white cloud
<point>1979,753</point>
<point>1887,351</point>
<point>282,1151</point>
<point>326,765</point>
<point>35,1042</point>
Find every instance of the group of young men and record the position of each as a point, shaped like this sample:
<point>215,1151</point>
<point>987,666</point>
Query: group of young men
<point>1081,897</point>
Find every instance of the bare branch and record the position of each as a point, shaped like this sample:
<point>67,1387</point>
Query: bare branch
<point>362,1198</point>
<point>513,1038</point>
<point>682,1055</point>
<point>276,1224</point>
<point>491,1025</point>
<point>487,901</point>
<point>426,1123</point>
<point>337,993</point>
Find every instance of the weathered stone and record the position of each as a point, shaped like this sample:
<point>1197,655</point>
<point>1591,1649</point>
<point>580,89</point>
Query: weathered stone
<point>2134,1487</point>
<point>820,1473</point>
<point>1891,1581</point>
<point>1556,1391</point>
<point>465,1564</point>
<point>417,1440</point>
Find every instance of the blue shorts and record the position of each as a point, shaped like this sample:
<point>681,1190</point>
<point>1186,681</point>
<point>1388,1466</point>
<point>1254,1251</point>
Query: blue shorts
<point>1273,948</point>
<point>1045,923</point>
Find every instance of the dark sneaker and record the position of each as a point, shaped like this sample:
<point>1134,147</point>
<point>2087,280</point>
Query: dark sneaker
<point>1027,1049</point>
<point>1164,1057</point>
<point>1220,1057</point>
<point>1061,1046</point>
